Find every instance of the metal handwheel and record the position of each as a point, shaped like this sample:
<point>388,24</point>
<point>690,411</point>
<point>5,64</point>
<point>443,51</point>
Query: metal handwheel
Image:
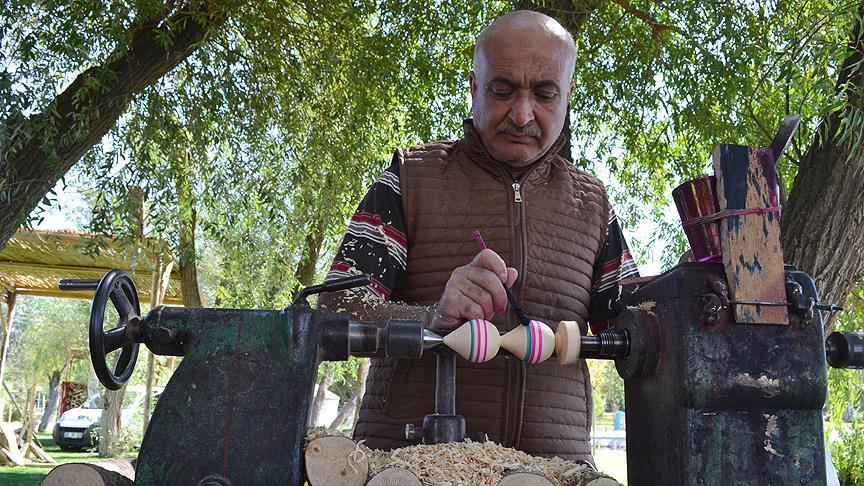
<point>117,286</point>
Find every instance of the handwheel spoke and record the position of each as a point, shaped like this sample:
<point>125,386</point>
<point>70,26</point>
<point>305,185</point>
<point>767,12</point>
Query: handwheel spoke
<point>123,361</point>
<point>122,302</point>
<point>115,339</point>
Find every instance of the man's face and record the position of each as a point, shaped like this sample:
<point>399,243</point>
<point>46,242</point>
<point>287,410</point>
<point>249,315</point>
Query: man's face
<point>519,89</point>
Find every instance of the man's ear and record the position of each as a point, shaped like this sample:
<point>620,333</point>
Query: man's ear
<point>472,81</point>
<point>570,94</point>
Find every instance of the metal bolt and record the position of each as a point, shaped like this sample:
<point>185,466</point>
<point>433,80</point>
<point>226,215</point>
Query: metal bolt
<point>711,311</point>
<point>412,432</point>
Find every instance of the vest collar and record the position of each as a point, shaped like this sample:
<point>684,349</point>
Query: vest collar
<point>477,153</point>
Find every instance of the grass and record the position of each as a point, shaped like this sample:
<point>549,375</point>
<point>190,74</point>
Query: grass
<point>32,476</point>
<point>612,462</point>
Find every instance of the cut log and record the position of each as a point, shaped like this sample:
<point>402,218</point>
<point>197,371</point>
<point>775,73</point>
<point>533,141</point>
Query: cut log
<point>603,482</point>
<point>336,461</point>
<point>525,479</point>
<point>394,476</point>
<point>587,477</point>
<point>119,472</point>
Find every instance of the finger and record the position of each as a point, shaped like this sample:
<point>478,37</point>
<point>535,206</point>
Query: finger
<point>455,304</point>
<point>475,289</point>
<point>446,322</point>
<point>490,260</point>
<point>492,288</point>
<point>460,306</point>
<point>512,275</point>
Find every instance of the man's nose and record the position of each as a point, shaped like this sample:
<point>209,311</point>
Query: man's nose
<point>522,110</point>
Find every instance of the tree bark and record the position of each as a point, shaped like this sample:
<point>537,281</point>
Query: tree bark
<point>360,391</point>
<point>187,221</point>
<point>8,319</point>
<point>53,402</point>
<point>305,274</point>
<point>318,401</point>
<point>343,416</point>
<point>110,426</point>
<point>119,472</point>
<point>352,408</point>
<point>37,151</point>
<point>823,220</point>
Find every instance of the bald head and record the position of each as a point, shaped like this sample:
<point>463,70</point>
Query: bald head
<point>521,86</point>
<point>526,24</point>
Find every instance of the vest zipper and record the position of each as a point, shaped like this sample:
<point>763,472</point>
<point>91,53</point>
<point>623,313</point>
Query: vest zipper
<point>519,372</point>
<point>517,196</point>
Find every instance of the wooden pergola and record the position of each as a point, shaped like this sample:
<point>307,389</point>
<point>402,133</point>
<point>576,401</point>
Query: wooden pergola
<point>34,261</point>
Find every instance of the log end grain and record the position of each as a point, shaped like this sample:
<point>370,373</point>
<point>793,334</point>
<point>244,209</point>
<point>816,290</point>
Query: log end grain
<point>335,461</point>
<point>394,476</point>
<point>525,479</point>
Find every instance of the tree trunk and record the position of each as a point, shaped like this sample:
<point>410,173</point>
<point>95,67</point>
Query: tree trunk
<point>318,401</point>
<point>352,408</point>
<point>8,318</point>
<point>40,149</point>
<point>53,403</point>
<point>188,220</point>
<point>823,220</point>
<point>110,424</point>
<point>309,262</point>
<point>343,416</point>
<point>360,390</point>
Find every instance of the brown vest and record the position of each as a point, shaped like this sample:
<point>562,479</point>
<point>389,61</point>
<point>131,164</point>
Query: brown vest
<point>552,237</point>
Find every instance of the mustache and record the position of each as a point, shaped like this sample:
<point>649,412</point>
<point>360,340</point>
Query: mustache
<point>530,129</point>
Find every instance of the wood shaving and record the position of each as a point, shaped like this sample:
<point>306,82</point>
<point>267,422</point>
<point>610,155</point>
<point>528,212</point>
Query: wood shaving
<point>470,463</point>
<point>647,307</point>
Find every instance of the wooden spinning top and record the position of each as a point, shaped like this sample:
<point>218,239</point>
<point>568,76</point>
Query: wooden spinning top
<point>477,340</point>
<point>568,342</point>
<point>532,343</point>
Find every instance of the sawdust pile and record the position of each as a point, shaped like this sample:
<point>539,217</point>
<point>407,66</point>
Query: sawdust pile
<point>471,463</point>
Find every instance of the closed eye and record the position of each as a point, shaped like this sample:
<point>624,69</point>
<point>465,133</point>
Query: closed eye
<point>546,95</point>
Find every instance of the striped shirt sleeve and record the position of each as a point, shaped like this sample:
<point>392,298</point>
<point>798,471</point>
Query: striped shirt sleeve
<point>614,264</point>
<point>375,240</point>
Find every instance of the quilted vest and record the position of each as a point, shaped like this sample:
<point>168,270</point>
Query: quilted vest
<point>553,237</point>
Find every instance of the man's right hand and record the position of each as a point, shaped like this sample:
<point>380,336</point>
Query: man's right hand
<point>474,291</point>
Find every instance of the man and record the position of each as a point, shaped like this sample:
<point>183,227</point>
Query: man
<point>549,221</point>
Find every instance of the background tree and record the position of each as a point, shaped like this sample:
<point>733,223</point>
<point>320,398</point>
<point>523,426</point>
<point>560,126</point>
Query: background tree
<point>45,330</point>
<point>46,130</point>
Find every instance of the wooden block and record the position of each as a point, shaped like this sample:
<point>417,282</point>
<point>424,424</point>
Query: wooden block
<point>532,343</point>
<point>335,461</point>
<point>41,454</point>
<point>9,444</point>
<point>13,457</point>
<point>752,255</point>
<point>394,476</point>
<point>568,342</point>
<point>525,479</point>
<point>477,340</point>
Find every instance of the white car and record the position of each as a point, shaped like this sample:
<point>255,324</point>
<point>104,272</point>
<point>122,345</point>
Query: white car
<point>78,428</point>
